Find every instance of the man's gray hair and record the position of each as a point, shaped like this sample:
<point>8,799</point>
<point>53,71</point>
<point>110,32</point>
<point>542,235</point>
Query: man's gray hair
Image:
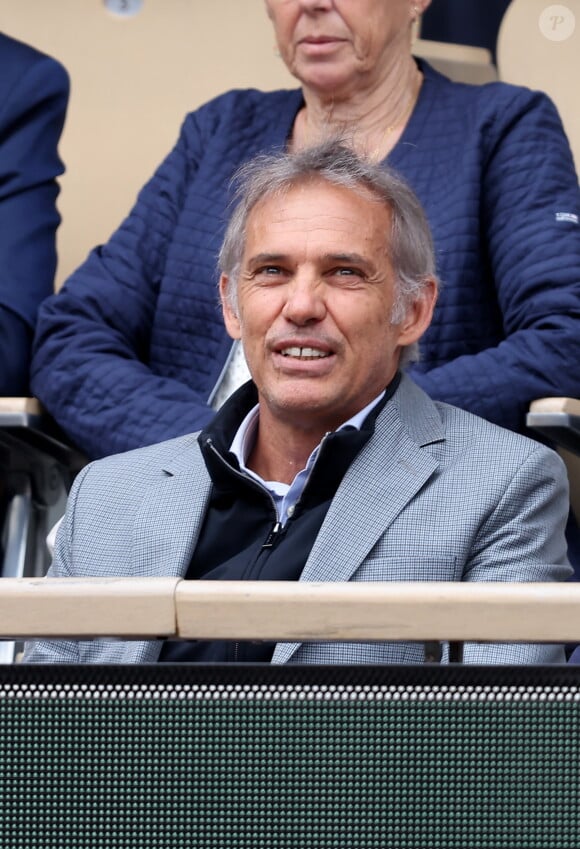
<point>409,245</point>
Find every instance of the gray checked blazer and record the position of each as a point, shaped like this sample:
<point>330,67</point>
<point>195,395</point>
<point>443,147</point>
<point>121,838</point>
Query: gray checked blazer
<point>436,494</point>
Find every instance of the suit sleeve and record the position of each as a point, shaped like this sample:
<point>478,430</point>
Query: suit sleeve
<point>530,221</point>
<point>90,364</point>
<point>60,651</point>
<point>523,540</point>
<point>31,121</point>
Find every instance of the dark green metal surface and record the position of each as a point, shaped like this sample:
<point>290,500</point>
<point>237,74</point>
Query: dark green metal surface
<point>367,758</point>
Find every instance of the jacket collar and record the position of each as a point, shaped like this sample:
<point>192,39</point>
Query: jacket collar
<point>340,447</point>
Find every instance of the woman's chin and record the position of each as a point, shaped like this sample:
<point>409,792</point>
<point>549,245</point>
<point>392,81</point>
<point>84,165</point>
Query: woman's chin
<point>326,80</point>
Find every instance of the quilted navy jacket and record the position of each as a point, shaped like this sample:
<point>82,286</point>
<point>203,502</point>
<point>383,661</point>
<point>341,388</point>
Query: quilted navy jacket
<point>130,351</point>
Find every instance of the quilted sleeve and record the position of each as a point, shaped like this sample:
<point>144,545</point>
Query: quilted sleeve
<point>91,350</point>
<point>530,218</point>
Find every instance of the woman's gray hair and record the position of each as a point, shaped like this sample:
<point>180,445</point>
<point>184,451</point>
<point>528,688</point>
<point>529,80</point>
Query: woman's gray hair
<point>409,245</point>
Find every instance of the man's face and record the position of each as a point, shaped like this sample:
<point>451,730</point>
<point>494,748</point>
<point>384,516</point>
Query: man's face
<point>315,296</point>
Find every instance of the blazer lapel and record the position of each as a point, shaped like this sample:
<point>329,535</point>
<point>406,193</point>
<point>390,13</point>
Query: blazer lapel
<point>385,476</point>
<point>170,516</point>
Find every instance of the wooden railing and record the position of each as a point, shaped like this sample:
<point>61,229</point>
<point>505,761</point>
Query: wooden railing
<point>170,607</point>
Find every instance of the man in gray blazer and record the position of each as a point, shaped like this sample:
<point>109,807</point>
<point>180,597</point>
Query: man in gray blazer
<point>330,465</point>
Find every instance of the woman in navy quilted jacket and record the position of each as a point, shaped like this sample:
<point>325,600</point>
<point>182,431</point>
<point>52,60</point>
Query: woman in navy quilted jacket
<point>133,349</point>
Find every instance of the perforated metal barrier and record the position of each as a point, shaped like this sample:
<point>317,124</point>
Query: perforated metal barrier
<point>289,757</point>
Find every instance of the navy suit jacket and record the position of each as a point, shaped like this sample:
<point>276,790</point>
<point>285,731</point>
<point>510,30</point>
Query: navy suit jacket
<point>33,98</point>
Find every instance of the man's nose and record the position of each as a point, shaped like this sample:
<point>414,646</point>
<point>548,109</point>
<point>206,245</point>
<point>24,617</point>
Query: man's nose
<point>316,5</point>
<point>305,302</point>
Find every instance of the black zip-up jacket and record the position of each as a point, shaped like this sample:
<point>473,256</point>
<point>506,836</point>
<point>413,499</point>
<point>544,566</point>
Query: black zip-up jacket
<point>242,537</point>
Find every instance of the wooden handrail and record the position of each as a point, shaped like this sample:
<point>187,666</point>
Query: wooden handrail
<point>91,607</point>
<point>556,405</point>
<point>153,608</point>
<point>29,406</point>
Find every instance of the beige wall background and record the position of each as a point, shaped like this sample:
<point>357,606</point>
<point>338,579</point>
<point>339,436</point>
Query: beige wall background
<point>133,79</point>
<point>539,47</point>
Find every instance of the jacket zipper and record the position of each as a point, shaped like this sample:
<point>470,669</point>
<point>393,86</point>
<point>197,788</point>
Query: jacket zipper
<point>273,535</point>
<point>276,526</point>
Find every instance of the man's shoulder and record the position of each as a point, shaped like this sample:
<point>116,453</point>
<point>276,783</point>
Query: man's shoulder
<point>18,58</point>
<point>490,453</point>
<point>18,52</point>
<point>461,425</point>
<point>459,432</point>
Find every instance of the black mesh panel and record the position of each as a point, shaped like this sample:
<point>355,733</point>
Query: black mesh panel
<point>289,757</point>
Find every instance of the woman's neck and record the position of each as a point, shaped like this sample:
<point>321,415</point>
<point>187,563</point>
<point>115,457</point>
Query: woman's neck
<point>371,121</point>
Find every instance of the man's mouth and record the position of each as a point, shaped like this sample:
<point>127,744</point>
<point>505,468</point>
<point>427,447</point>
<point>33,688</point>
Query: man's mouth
<point>304,353</point>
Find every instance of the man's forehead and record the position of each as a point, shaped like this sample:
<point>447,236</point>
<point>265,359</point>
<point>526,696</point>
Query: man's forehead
<point>319,210</point>
<point>318,188</point>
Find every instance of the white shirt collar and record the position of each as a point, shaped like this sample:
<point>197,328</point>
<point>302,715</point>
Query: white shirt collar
<point>243,441</point>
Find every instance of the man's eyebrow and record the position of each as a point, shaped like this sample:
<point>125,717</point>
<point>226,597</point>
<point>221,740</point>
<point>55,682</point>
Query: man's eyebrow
<point>266,258</point>
<point>349,258</point>
<point>271,258</point>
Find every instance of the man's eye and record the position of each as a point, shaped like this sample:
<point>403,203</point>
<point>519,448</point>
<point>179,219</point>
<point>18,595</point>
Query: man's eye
<point>269,272</point>
<point>347,272</point>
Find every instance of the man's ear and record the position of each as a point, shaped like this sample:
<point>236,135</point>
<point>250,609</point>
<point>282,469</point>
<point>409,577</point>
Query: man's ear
<point>419,315</point>
<point>231,320</point>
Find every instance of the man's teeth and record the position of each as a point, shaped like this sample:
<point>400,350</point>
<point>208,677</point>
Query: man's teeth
<point>304,353</point>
